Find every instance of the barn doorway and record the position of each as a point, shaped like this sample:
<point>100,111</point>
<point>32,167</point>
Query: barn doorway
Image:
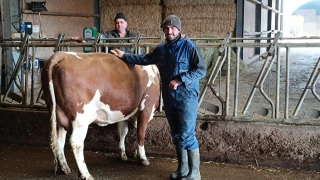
<point>301,18</point>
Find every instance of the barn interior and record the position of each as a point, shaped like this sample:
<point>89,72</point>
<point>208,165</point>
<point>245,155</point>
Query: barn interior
<point>259,101</point>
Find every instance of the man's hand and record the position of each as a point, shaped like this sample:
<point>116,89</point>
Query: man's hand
<point>78,40</point>
<point>117,52</point>
<point>173,84</point>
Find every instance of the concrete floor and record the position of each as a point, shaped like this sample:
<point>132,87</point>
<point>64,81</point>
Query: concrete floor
<point>23,162</point>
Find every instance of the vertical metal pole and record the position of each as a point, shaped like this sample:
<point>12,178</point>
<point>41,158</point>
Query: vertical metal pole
<point>236,84</point>
<point>240,23</point>
<point>277,98</point>
<point>26,77</point>
<point>286,110</point>
<point>228,82</point>
<point>1,73</point>
<point>32,75</point>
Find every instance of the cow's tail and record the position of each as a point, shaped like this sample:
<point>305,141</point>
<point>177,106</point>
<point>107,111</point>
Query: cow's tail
<point>54,60</point>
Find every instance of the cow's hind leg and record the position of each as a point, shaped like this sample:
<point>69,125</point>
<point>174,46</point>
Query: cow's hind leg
<point>77,143</point>
<point>143,120</point>
<point>122,131</point>
<point>63,165</point>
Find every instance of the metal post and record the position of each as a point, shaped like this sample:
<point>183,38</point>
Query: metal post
<point>277,97</point>
<point>1,58</point>
<point>228,81</point>
<point>287,94</point>
<point>236,84</point>
<point>26,77</point>
<point>19,64</point>
<point>32,75</point>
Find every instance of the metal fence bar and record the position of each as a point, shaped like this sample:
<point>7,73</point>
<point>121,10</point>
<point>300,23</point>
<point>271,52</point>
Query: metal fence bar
<point>26,77</point>
<point>287,84</point>
<point>310,85</point>
<point>1,59</point>
<point>277,98</point>
<point>18,66</point>
<point>32,75</point>
<point>236,83</point>
<point>227,98</point>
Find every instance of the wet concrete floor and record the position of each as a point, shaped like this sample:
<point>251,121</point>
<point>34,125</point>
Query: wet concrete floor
<point>23,162</point>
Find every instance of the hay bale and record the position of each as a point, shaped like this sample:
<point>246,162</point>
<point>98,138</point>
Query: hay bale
<point>144,19</point>
<point>107,3</point>
<point>197,2</point>
<point>209,19</point>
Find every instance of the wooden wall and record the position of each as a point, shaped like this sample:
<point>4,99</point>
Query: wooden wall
<point>63,17</point>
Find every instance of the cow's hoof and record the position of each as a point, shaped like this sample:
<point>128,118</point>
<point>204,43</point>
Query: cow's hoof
<point>144,162</point>
<point>65,170</point>
<point>88,177</point>
<point>123,157</point>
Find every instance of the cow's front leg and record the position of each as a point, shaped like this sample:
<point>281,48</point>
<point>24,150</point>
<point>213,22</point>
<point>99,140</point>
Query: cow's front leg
<point>63,165</point>
<point>77,143</point>
<point>123,131</point>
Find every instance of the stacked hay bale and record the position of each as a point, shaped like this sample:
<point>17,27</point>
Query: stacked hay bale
<point>144,16</point>
<point>204,18</point>
<point>198,17</point>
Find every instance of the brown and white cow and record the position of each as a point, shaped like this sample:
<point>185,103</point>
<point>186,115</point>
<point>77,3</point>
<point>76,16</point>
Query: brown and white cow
<point>85,88</point>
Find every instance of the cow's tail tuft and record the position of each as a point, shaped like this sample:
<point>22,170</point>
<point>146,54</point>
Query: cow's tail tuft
<point>54,60</point>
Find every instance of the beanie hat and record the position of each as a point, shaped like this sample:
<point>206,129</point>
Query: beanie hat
<point>120,16</point>
<point>172,20</point>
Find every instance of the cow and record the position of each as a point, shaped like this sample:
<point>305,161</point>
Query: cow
<point>84,88</point>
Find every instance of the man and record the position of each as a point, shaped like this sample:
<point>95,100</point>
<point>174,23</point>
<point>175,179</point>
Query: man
<point>181,66</point>
<point>120,31</point>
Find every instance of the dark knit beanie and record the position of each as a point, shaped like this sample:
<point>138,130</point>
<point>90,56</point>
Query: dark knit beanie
<point>120,16</point>
<point>172,20</point>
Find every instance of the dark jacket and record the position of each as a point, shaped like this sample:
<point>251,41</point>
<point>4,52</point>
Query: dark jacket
<point>181,60</point>
<point>114,34</point>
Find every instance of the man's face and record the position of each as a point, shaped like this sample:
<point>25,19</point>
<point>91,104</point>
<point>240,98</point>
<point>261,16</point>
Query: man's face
<point>120,25</point>
<point>171,32</point>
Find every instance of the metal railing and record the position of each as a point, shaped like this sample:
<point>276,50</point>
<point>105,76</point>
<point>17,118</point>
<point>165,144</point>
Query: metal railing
<point>209,108</point>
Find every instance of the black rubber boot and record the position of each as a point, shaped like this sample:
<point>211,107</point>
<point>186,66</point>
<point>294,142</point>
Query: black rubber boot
<point>183,167</point>
<point>194,164</point>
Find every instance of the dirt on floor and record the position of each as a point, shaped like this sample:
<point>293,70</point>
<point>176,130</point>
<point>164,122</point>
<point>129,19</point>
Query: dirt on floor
<point>23,162</point>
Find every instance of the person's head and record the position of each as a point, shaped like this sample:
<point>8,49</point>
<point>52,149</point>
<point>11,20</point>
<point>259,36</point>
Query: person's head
<point>171,27</point>
<point>120,22</point>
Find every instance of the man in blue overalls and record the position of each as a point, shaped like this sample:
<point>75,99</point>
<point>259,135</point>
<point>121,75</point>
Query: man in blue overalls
<point>181,66</point>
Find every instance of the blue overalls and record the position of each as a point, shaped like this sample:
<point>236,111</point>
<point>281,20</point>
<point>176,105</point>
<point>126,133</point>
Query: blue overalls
<point>181,60</point>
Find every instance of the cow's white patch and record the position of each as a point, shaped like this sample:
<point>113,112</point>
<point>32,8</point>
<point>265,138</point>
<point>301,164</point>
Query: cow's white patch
<point>152,72</point>
<point>141,152</point>
<point>142,104</point>
<point>153,111</point>
<point>75,54</point>
<point>100,113</point>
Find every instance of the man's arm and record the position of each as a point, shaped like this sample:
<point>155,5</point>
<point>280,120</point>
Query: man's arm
<point>198,67</point>
<point>141,59</point>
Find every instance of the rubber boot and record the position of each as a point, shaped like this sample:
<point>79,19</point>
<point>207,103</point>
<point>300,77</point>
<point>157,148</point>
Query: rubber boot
<point>183,167</point>
<point>194,164</point>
